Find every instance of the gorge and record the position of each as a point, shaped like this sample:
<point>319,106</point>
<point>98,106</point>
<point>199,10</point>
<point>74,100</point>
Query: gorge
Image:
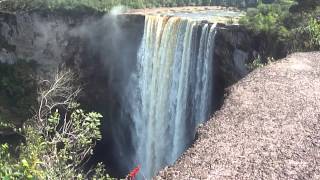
<point>154,78</point>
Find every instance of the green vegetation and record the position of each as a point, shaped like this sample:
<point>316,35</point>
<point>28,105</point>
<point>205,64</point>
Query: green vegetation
<point>17,90</point>
<point>284,26</point>
<point>313,29</point>
<point>58,139</point>
<point>106,5</point>
<point>53,153</point>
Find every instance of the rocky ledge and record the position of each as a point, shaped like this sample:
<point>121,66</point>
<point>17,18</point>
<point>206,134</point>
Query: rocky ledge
<point>214,14</point>
<point>268,127</point>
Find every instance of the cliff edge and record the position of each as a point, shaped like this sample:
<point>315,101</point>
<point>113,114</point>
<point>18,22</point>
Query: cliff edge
<point>268,127</point>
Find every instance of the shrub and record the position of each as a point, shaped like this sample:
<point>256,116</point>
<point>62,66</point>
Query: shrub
<point>314,31</point>
<point>10,168</point>
<point>279,30</point>
<point>59,139</point>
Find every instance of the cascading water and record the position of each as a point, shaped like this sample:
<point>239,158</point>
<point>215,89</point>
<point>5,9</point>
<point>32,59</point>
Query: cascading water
<point>171,92</point>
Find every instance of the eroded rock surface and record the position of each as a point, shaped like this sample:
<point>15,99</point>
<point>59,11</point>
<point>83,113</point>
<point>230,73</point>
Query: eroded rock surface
<point>268,128</point>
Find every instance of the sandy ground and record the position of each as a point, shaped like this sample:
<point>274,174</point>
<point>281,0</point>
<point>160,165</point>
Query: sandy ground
<point>268,128</point>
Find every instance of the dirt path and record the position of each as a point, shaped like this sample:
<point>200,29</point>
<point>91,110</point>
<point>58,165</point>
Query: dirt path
<point>268,128</point>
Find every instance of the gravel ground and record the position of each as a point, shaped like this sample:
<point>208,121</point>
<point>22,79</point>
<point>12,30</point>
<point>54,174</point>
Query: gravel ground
<point>268,128</point>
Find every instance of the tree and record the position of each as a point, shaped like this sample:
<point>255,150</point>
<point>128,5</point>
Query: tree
<point>59,139</point>
<point>304,6</point>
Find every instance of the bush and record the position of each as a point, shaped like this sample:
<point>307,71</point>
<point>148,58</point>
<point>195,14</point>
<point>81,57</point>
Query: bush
<point>10,168</point>
<point>58,140</point>
<point>314,31</point>
<point>54,153</point>
<point>279,30</point>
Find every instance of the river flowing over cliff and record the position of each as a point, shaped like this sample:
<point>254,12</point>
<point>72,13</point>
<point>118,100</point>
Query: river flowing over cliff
<point>154,78</point>
<point>171,92</point>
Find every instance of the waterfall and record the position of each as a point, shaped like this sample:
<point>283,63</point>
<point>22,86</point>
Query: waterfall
<point>171,92</point>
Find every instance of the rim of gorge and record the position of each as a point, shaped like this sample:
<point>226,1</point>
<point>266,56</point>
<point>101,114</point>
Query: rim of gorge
<point>267,128</point>
<point>153,78</point>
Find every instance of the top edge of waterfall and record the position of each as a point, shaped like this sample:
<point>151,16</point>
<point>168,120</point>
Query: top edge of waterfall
<point>197,21</point>
<point>212,14</point>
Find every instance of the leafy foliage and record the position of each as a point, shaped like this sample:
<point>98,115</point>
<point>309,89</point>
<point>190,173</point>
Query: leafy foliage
<point>58,141</point>
<point>314,30</point>
<point>11,168</point>
<point>305,6</point>
<point>281,30</point>
<point>55,153</point>
<point>268,18</point>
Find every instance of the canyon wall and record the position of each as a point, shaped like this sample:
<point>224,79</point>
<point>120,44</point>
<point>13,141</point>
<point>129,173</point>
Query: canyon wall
<point>103,50</point>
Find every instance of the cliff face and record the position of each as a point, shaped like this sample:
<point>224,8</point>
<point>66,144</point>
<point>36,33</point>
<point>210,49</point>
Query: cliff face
<point>234,50</point>
<point>54,38</point>
<point>34,36</point>
<point>103,50</point>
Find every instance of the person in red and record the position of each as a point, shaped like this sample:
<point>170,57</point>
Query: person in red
<point>133,174</point>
